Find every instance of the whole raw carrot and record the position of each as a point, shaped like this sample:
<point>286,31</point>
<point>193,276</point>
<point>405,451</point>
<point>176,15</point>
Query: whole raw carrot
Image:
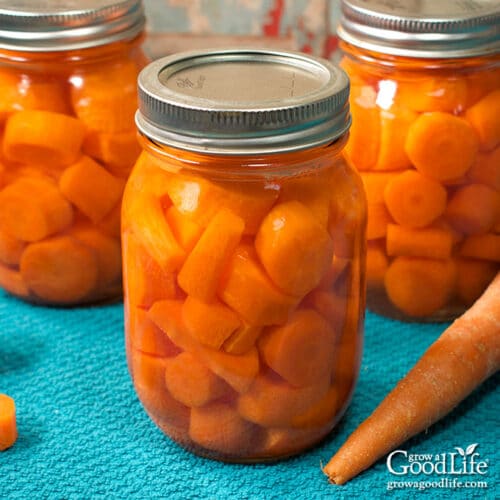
<point>465,355</point>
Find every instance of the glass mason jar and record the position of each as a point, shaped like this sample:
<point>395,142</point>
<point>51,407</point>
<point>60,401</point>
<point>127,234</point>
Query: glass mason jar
<point>68,95</point>
<point>425,102</point>
<point>243,240</point>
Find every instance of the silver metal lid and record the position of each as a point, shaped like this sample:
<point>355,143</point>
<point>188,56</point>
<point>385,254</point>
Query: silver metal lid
<point>422,28</point>
<point>243,101</point>
<point>54,25</point>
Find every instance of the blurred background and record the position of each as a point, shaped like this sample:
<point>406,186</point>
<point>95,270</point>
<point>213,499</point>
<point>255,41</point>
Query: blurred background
<point>305,25</point>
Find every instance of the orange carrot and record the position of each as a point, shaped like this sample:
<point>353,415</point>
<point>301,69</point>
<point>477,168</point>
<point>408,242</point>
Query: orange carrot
<point>485,169</point>
<point>12,281</point>
<point>243,339</point>
<point>59,270</point>
<point>465,355</point>
<point>42,137</point>
<point>420,287</point>
<point>286,441</point>
<point>330,305</point>
<point>473,209</point>
<point>374,184</point>
<point>11,248</point>
<point>376,264</point>
<point>110,224</point>
<point>8,427</point>
<point>186,232</point>
<point>441,146</point>
<point>337,268</point>
<point>321,413</point>
<point>378,221</point>
<point>473,277</point>
<point>485,118</point>
<point>482,246</point>
<point>414,200</point>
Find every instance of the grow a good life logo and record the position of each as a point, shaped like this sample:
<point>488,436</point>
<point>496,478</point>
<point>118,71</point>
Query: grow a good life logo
<point>457,464</point>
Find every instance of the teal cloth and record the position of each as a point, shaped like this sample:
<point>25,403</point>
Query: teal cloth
<point>83,433</point>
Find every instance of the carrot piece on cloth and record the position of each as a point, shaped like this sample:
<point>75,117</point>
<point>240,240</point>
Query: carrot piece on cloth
<point>295,250</point>
<point>473,277</point>
<point>485,169</point>
<point>482,246</point>
<point>60,269</point>
<point>12,281</point>
<point>414,200</point>
<point>485,118</point>
<point>419,287</point>
<point>466,354</point>
<point>92,189</point>
<point>42,137</point>
<point>441,146</point>
<point>8,427</point>
<point>189,381</point>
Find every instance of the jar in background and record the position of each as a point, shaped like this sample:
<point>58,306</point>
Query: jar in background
<point>425,102</point>
<point>68,96</point>
<point>243,244</point>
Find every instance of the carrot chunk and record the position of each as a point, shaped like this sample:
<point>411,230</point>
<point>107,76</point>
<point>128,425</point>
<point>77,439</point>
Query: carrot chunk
<point>110,224</point>
<point>8,427</point>
<point>12,281</point>
<point>433,243</point>
<point>473,277</point>
<point>42,137</point>
<point>485,118</point>
<point>414,200</point>
<point>374,184</point>
<point>60,270</point>
<point>473,209</point>
<point>201,273</point>
<point>302,350</point>
<point>482,246</point>
<point>209,323</point>
<point>189,381</point>
<point>243,339</point>
<point>441,146</point>
<point>420,287</point>
<point>321,413</point>
<point>33,208</point>
<point>249,291</point>
<point>90,188</point>
<point>378,221</point>
<point>376,264</point>
<point>295,250</point>
<point>11,248</point>
<point>186,232</point>
<point>282,442</point>
<point>486,169</point>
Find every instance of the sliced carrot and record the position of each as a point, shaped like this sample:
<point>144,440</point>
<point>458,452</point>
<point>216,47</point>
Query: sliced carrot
<point>441,146</point>
<point>209,323</point>
<point>321,413</point>
<point>433,243</point>
<point>485,118</point>
<point>249,291</point>
<point>11,248</point>
<point>201,273</point>
<point>394,124</point>
<point>364,135</point>
<point>378,220</point>
<point>8,427</point>
<point>243,339</point>
<point>219,428</point>
<point>33,208</point>
<point>330,305</point>
<point>414,200</point>
<point>302,350</point>
<point>110,224</point>
<point>420,287</point>
<point>485,169</point>
<point>274,403</point>
<point>482,246</point>
<point>12,281</point>
<point>374,184</point>
<point>473,277</point>
<point>376,264</point>
<point>91,188</point>
<point>186,232</point>
<point>294,248</point>
<point>189,381</point>
<point>60,270</point>
<point>42,137</point>
<point>473,209</point>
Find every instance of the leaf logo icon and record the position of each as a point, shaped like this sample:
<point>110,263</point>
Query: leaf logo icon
<point>471,448</point>
<point>460,450</point>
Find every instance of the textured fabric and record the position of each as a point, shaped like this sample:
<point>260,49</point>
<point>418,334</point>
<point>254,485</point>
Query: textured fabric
<point>83,433</point>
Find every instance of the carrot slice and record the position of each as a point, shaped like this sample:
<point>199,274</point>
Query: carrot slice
<point>12,281</point>
<point>11,248</point>
<point>302,350</point>
<point>363,145</point>
<point>485,169</point>
<point>274,403</point>
<point>243,339</point>
<point>294,248</point>
<point>414,200</point>
<point>59,270</point>
<point>482,246</point>
<point>374,184</point>
<point>42,137</point>
<point>249,291</point>
<point>210,324</point>
<point>90,188</point>
<point>473,209</point>
<point>376,264</point>
<point>8,427</point>
<point>321,413</point>
<point>433,243</point>
<point>110,224</point>
<point>33,208</point>
<point>330,305</point>
<point>473,277</point>
<point>186,232</point>
<point>201,273</point>
<point>441,146</point>
<point>189,381</point>
<point>378,220</point>
<point>420,287</point>
<point>485,118</point>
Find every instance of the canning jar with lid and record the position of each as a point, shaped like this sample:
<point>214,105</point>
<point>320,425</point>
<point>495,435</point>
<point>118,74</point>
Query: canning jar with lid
<point>243,246</point>
<point>68,96</point>
<point>425,102</point>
